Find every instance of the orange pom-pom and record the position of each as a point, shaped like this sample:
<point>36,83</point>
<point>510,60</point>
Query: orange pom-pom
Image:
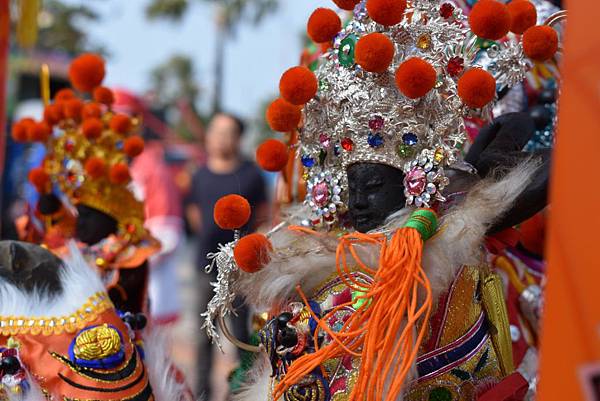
<point>20,129</point>
<point>133,146</point>
<point>91,110</point>
<point>374,52</point>
<point>231,212</point>
<point>283,116</point>
<point>73,108</point>
<point>39,131</point>
<point>120,123</point>
<point>40,179</point>
<point>87,72</point>
<point>92,128</point>
<point>251,253</point>
<point>476,88</point>
<point>272,155</point>
<point>298,85</point>
<point>104,95</point>
<point>53,113</point>
<point>323,25</point>
<point>490,19</point>
<point>386,12</point>
<point>95,167</point>
<point>540,43</point>
<point>346,4</point>
<point>63,95</point>
<point>523,15</point>
<point>415,77</point>
<point>119,174</point>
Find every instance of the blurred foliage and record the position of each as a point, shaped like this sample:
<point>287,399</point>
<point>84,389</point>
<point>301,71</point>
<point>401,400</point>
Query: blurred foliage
<point>173,80</point>
<point>62,27</point>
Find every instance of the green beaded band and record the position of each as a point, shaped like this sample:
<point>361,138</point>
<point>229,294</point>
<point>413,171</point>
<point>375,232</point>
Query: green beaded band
<point>424,221</point>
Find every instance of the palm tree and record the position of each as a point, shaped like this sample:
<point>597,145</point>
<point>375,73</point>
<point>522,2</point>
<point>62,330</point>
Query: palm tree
<point>229,14</point>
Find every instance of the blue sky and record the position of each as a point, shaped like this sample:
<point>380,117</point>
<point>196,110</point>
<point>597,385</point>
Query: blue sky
<point>256,56</point>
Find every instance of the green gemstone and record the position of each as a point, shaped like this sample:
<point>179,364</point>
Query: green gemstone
<point>323,85</point>
<point>404,150</point>
<point>484,43</point>
<point>346,50</point>
<point>440,394</point>
<point>322,156</point>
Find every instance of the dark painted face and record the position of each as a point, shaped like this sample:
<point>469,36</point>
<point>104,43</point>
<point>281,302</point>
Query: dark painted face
<point>93,225</point>
<point>375,192</point>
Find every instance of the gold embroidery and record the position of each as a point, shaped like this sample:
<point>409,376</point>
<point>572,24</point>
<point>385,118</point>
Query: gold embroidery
<point>97,343</point>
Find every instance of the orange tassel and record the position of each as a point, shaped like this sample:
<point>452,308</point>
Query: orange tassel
<point>383,330</point>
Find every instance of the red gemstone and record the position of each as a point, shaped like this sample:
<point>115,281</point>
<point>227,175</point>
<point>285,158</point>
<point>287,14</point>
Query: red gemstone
<point>131,228</point>
<point>69,146</point>
<point>376,123</point>
<point>320,194</point>
<point>456,65</point>
<point>347,144</point>
<point>415,181</point>
<point>446,10</point>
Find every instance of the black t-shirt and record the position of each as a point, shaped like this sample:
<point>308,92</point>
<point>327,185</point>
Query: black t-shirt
<point>208,187</point>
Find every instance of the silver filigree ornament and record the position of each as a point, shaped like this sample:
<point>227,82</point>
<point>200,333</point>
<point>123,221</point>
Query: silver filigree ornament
<point>365,118</point>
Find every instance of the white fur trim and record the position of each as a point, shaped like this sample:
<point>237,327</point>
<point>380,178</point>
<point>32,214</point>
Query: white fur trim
<point>258,387</point>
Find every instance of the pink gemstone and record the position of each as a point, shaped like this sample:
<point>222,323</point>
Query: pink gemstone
<point>347,144</point>
<point>456,65</point>
<point>376,123</point>
<point>415,181</point>
<point>325,140</point>
<point>320,194</point>
<point>446,10</point>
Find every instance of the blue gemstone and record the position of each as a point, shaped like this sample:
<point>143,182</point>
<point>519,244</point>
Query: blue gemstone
<point>375,140</point>
<point>336,150</point>
<point>307,161</point>
<point>410,139</point>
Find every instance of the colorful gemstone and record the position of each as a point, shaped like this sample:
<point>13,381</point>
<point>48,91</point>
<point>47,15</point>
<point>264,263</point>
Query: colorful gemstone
<point>347,144</point>
<point>323,85</point>
<point>456,65</point>
<point>322,156</point>
<point>307,161</point>
<point>320,194</point>
<point>424,42</point>
<point>346,50</point>
<point>375,140</point>
<point>446,10</point>
<point>415,181</point>
<point>376,123</point>
<point>410,139</point>
<point>438,156</point>
<point>336,149</point>
<point>404,150</point>
<point>325,140</point>
<point>69,146</point>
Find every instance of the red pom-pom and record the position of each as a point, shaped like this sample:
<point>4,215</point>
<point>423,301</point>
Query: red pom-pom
<point>489,19</point>
<point>540,43</point>
<point>104,95</point>
<point>298,85</point>
<point>39,132</point>
<point>87,72</point>
<point>346,4</point>
<point>91,110</point>
<point>523,15</point>
<point>20,129</point>
<point>40,179</point>
<point>64,95</point>
<point>283,116</point>
<point>374,52</point>
<point>231,212</point>
<point>119,174</point>
<point>272,155</point>
<point>386,12</point>
<point>415,77</point>
<point>133,146</point>
<point>323,25</point>
<point>120,123</point>
<point>53,113</point>
<point>92,128</point>
<point>251,253</point>
<point>476,88</point>
<point>72,109</point>
<point>95,167</point>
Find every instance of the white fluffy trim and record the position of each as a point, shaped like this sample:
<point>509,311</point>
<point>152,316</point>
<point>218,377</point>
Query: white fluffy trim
<point>258,387</point>
<point>78,280</point>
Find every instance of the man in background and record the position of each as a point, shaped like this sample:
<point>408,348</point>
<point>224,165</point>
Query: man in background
<point>225,172</point>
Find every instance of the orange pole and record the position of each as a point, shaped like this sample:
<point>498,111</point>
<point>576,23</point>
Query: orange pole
<point>570,339</point>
